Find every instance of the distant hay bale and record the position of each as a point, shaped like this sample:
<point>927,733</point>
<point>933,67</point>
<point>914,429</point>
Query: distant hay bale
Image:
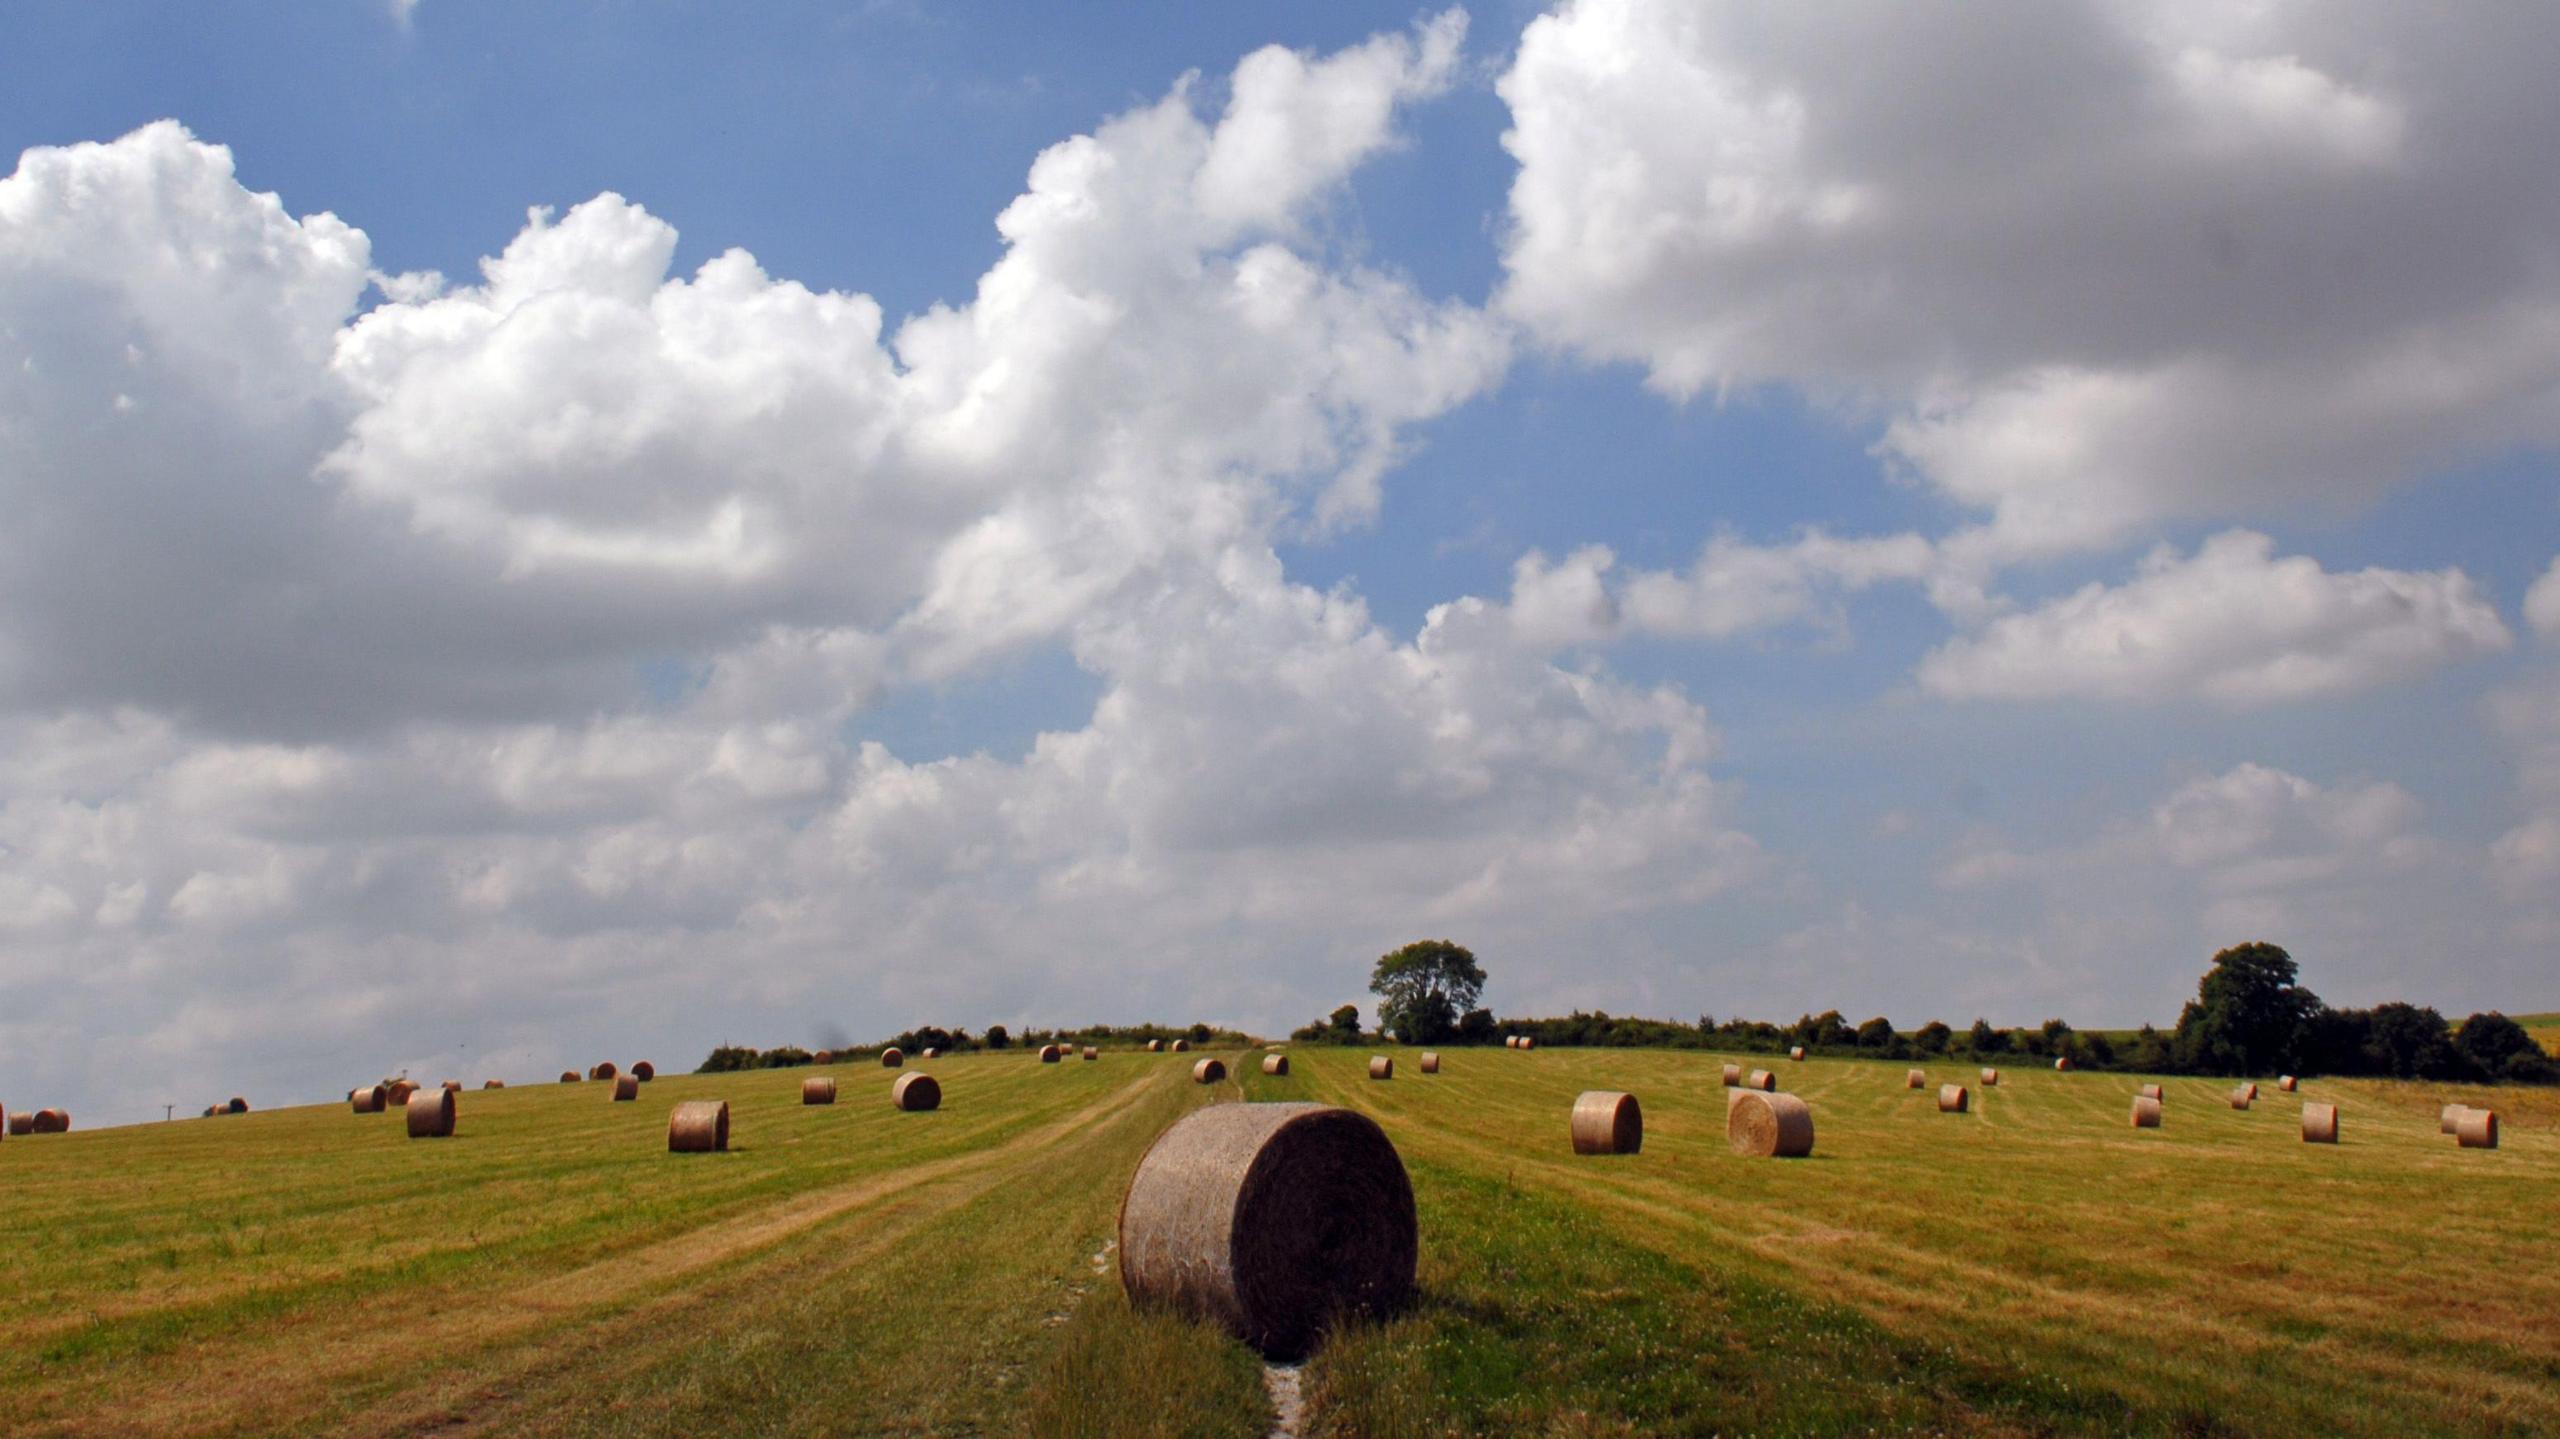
<point>1991,1079</point>
<point>818,1089</point>
<point>53,1121</point>
<point>1528,1041</point>
<point>626,1089</point>
<point>2450,1118</point>
<point>1607,1122</point>
<point>1155,1046</point>
<point>493,1084</point>
<point>1732,1076</point>
<point>2250,1089</point>
<point>916,1092</point>
<point>211,1110</point>
<point>1760,1079</point>
<point>1208,1071</point>
<point>1049,1054</point>
<point>1511,1041</point>
<point>1274,1221</point>
<point>1275,1064</point>
<point>892,1057</point>
<point>568,1076</point>
<point>1090,1052</point>
<point>1769,1126</point>
<point>2150,1091</point>
<point>237,1105</point>
<point>1796,1054</point>
<point>2062,1064</point>
<point>2240,1099</point>
<point>644,1071</point>
<point>2478,1129</point>
<point>454,1085</point>
<point>2319,1123</point>
<point>1911,1079</point>
<point>1430,1061</point>
<point>430,1114</point>
<point>699,1126</point>
<point>1954,1099</point>
<point>932,1053</point>
<point>2146,1112</point>
<point>603,1071</point>
<point>1182,1046</point>
<point>23,1122</point>
<point>823,1056</point>
<point>1381,1067</point>
<point>366,1099</point>
<point>2287,1083</point>
<point>397,1093</point>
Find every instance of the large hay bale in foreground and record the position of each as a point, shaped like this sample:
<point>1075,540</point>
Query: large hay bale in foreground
<point>1607,1122</point>
<point>1732,1076</point>
<point>2149,1091</point>
<point>24,1121</point>
<point>698,1126</point>
<point>431,1113</point>
<point>1275,1064</point>
<point>366,1099</point>
<point>1911,1079</point>
<point>2447,1120</point>
<point>1381,1067</point>
<point>626,1089</point>
<point>1274,1221</point>
<point>2146,1112</point>
<point>1796,1054</point>
<point>1769,1126</point>
<point>1430,1061</point>
<point>2478,1129</point>
<point>2287,1083</point>
<point>1208,1071</point>
<point>818,1089</point>
<point>1991,1079</point>
<point>916,1092</point>
<point>605,1070</point>
<point>1760,1079</point>
<point>2319,1123</point>
<point>644,1071</point>
<point>1049,1054</point>
<point>1182,1046</point>
<point>892,1057</point>
<point>1954,1099</point>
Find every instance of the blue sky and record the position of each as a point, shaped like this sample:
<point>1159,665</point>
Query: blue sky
<point>2062,515</point>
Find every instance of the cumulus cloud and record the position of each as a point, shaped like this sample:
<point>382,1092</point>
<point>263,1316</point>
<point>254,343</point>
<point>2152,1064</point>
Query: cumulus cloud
<point>2231,624</point>
<point>2093,264</point>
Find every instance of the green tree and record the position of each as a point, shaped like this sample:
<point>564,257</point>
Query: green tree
<point>996,1037</point>
<point>1876,1033</point>
<point>2248,1016</point>
<point>1933,1037</point>
<point>1345,1024</point>
<point>1986,1040</point>
<point>2491,1040</point>
<point>1424,987</point>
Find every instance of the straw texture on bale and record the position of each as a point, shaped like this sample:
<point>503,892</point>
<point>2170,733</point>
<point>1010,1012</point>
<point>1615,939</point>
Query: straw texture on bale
<point>1769,1126</point>
<point>1991,1079</point>
<point>1381,1067</point>
<point>367,1099</point>
<point>23,1122</point>
<point>1796,1054</point>
<point>2449,1119</point>
<point>568,1076</point>
<point>1430,1062</point>
<point>2478,1129</point>
<point>1274,1221</point>
<point>1208,1071</point>
<point>1760,1079</point>
<point>1607,1122</point>
<point>2149,1091</point>
<point>2146,1112</point>
<point>1732,1075</point>
<point>892,1057</point>
<point>398,1093</point>
<point>605,1070</point>
<point>1092,1053</point>
<point>626,1089</point>
<point>916,1092</point>
<point>1182,1046</point>
<point>431,1114</point>
<point>2286,1083</point>
<point>1913,1079</point>
<point>1275,1064</point>
<point>818,1089</point>
<point>1155,1046</point>
<point>1048,1054</point>
<point>644,1071</point>
<point>2319,1123</point>
<point>698,1126</point>
<point>1954,1099</point>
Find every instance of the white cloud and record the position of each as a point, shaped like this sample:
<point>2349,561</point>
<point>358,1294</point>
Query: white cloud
<point>2231,624</point>
<point>2096,264</point>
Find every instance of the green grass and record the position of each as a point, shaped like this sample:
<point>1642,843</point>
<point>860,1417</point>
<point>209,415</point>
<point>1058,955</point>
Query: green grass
<point>2037,1267</point>
<point>2545,1029</point>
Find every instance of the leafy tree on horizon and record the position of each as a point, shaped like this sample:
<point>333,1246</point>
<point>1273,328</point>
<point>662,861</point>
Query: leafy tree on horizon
<point>1424,987</point>
<point>2248,1016</point>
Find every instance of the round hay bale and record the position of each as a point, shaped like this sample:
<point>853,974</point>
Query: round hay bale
<point>2478,1129</point>
<point>1511,1041</point>
<point>2062,1065</point>
<point>1208,1071</point>
<point>1769,1126</point>
<point>2319,1123</point>
<point>453,1085</point>
<point>1274,1221</point>
<point>818,1089</point>
<point>823,1056</point>
<point>1092,1053</point>
<point>53,1121</point>
<point>1954,1099</point>
<point>2449,1119</point>
<point>430,1114</point>
<point>2150,1091</point>
<point>2146,1112</point>
<point>603,1071</point>
<point>1381,1067</point>
<point>699,1126</point>
<point>397,1093</point>
<point>644,1071</point>
<point>1760,1079</point>
<point>1155,1046</point>
<point>2240,1099</point>
<point>892,1057</point>
<point>1607,1122</point>
<point>211,1110</point>
<point>23,1122</point>
<point>1275,1064</point>
<point>931,1053</point>
<point>916,1092</point>
<point>1732,1076</point>
<point>1182,1046</point>
<point>367,1099</point>
<point>2287,1083</point>
<point>493,1084</point>
<point>1528,1041</point>
<point>626,1089</point>
<point>1796,1054</point>
<point>1048,1054</point>
<point>1911,1079</point>
<point>1991,1079</point>
<point>237,1105</point>
<point>2250,1089</point>
<point>568,1076</point>
<point>1430,1061</point>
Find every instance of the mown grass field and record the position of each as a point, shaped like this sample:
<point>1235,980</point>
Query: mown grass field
<point>2545,1029</point>
<point>2035,1267</point>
